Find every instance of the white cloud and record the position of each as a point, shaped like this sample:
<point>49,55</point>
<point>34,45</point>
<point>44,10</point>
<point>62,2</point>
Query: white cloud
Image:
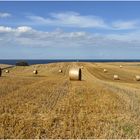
<point>70,19</point>
<point>5,29</point>
<point>27,36</point>
<point>4,15</point>
<point>121,25</point>
<point>73,19</point>
<point>18,29</point>
<point>24,29</point>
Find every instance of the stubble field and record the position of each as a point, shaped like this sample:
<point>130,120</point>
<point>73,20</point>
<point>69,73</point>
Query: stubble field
<point>49,105</point>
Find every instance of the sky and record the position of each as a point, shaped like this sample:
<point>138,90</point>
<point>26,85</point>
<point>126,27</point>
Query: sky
<point>69,30</point>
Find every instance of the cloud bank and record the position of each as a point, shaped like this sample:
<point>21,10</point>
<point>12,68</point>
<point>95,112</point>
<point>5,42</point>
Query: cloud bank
<point>73,19</point>
<point>115,39</point>
<point>70,19</point>
<point>27,36</point>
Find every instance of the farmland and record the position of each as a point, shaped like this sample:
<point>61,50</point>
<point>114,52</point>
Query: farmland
<point>49,105</point>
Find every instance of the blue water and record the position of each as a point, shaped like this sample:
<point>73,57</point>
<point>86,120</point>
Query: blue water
<point>46,61</point>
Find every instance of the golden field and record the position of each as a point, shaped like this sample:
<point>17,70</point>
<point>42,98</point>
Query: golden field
<point>49,105</point>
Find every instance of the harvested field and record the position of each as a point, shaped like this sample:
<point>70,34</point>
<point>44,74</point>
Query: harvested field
<point>4,65</point>
<point>49,105</point>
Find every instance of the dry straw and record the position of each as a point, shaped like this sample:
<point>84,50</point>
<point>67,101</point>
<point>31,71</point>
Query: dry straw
<point>0,72</point>
<point>75,74</point>
<point>137,77</point>
<point>116,77</point>
<point>35,72</point>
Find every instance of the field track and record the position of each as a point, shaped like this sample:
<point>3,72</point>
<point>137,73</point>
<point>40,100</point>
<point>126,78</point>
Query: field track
<point>49,105</point>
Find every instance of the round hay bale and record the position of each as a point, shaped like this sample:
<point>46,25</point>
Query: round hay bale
<point>6,71</point>
<point>75,74</point>
<point>121,66</point>
<point>0,72</point>
<point>60,71</point>
<point>137,77</point>
<point>116,77</point>
<point>105,70</point>
<point>35,72</point>
<point>82,67</point>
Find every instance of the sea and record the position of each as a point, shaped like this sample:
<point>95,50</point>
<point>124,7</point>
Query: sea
<point>46,61</point>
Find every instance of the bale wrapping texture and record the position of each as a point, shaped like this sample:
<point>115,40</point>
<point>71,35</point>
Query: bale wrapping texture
<point>35,72</point>
<point>75,74</point>
<point>116,77</point>
<point>137,77</point>
<point>0,72</point>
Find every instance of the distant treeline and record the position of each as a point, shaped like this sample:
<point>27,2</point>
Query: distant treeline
<point>22,63</point>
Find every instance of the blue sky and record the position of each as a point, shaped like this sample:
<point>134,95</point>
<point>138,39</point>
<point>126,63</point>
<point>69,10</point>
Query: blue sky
<point>69,30</point>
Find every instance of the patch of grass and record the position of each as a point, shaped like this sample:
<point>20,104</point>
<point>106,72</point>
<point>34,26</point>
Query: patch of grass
<point>128,129</point>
